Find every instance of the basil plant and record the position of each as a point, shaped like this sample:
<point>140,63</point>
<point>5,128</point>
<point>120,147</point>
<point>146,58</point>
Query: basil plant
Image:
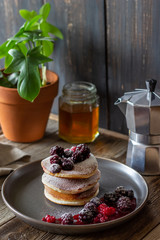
<point>27,51</point>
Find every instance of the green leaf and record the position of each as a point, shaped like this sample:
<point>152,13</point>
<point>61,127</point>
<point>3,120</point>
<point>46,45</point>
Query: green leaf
<point>29,24</point>
<point>48,48</point>
<point>27,15</point>
<point>13,78</point>
<point>45,10</point>
<point>19,39</point>
<point>49,28</point>
<point>3,49</point>
<point>5,83</point>
<point>22,48</point>
<point>29,81</point>
<point>37,57</point>
<point>8,60</point>
<point>51,39</point>
<point>17,62</point>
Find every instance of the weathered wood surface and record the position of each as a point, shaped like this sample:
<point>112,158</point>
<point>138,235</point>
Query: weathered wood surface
<point>81,55</point>
<point>146,225</point>
<point>112,43</point>
<point>133,36</point>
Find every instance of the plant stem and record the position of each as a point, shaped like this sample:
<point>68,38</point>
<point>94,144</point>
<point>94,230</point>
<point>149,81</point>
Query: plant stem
<point>44,78</point>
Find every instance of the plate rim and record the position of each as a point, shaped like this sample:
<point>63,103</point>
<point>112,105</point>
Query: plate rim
<point>34,222</point>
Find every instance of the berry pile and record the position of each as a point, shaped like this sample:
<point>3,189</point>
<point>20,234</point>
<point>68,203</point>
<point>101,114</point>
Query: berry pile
<point>98,210</point>
<point>66,158</point>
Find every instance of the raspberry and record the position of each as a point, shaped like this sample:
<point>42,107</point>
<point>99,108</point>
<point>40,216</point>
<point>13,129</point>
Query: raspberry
<point>96,201</point>
<point>57,150</point>
<point>109,211</point>
<point>101,208</point>
<point>67,219</point>
<point>55,168</point>
<point>67,164</point>
<point>49,219</point>
<point>76,217</point>
<point>73,149</point>
<point>55,159</point>
<point>43,219</point>
<point>103,219</point>
<point>96,220</point>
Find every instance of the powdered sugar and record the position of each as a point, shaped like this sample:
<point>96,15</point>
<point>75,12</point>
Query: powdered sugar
<point>70,185</point>
<point>85,168</point>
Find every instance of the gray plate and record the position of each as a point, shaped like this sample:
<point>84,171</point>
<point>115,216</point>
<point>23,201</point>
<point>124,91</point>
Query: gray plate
<point>22,192</point>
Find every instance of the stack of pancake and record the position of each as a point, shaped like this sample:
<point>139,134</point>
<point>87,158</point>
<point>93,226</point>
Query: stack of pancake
<point>74,187</point>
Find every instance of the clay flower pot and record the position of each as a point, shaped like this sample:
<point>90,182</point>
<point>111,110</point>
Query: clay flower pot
<point>23,121</point>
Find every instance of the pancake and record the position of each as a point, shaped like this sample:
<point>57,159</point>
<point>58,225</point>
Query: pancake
<point>84,169</point>
<point>71,199</point>
<point>68,185</point>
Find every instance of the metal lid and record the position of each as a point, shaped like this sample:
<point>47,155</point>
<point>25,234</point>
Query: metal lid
<point>144,97</point>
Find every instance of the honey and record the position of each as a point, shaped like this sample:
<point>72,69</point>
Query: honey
<point>79,113</point>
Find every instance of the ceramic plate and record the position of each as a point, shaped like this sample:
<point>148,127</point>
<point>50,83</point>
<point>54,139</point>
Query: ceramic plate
<point>22,192</point>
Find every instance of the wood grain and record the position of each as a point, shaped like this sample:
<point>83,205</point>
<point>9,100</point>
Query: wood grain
<point>81,55</point>
<point>143,226</point>
<point>133,36</point>
<point>154,234</point>
<point>112,43</point>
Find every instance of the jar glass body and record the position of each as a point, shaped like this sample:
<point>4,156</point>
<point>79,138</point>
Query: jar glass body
<point>79,112</point>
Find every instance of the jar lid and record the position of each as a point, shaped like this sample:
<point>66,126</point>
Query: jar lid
<point>79,90</point>
<point>144,97</point>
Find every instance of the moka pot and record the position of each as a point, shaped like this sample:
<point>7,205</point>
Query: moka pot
<point>142,111</point>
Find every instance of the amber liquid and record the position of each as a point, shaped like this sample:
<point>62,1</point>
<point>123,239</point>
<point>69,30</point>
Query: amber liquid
<point>79,124</point>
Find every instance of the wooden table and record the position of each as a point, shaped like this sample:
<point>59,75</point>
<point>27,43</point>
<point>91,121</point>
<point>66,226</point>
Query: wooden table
<point>145,225</point>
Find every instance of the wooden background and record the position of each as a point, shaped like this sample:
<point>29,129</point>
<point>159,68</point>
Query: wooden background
<point>113,43</point>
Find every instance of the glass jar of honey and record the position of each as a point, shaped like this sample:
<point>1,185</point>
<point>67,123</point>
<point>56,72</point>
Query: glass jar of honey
<point>79,112</point>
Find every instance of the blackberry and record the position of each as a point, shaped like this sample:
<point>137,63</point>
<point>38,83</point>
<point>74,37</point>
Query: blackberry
<point>57,150</point>
<point>77,157</point>
<point>55,168</point>
<point>90,206</point>
<point>86,216</point>
<point>55,159</point>
<point>67,153</point>
<point>123,192</point>
<point>111,198</point>
<point>84,150</point>
<point>80,153</point>
<point>67,164</point>
<point>124,204</point>
<point>96,201</point>
<point>67,219</point>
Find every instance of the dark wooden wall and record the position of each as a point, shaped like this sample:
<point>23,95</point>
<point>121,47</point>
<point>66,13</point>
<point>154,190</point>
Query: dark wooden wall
<point>113,43</point>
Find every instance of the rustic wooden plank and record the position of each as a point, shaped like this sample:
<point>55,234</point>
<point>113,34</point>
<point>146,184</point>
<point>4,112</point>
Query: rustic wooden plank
<point>6,214</point>
<point>81,55</point>
<point>133,36</point>
<point>16,229</point>
<point>154,234</point>
<point>10,20</point>
<point>103,146</point>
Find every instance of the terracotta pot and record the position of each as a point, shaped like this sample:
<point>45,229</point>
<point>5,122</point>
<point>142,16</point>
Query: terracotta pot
<point>23,121</point>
